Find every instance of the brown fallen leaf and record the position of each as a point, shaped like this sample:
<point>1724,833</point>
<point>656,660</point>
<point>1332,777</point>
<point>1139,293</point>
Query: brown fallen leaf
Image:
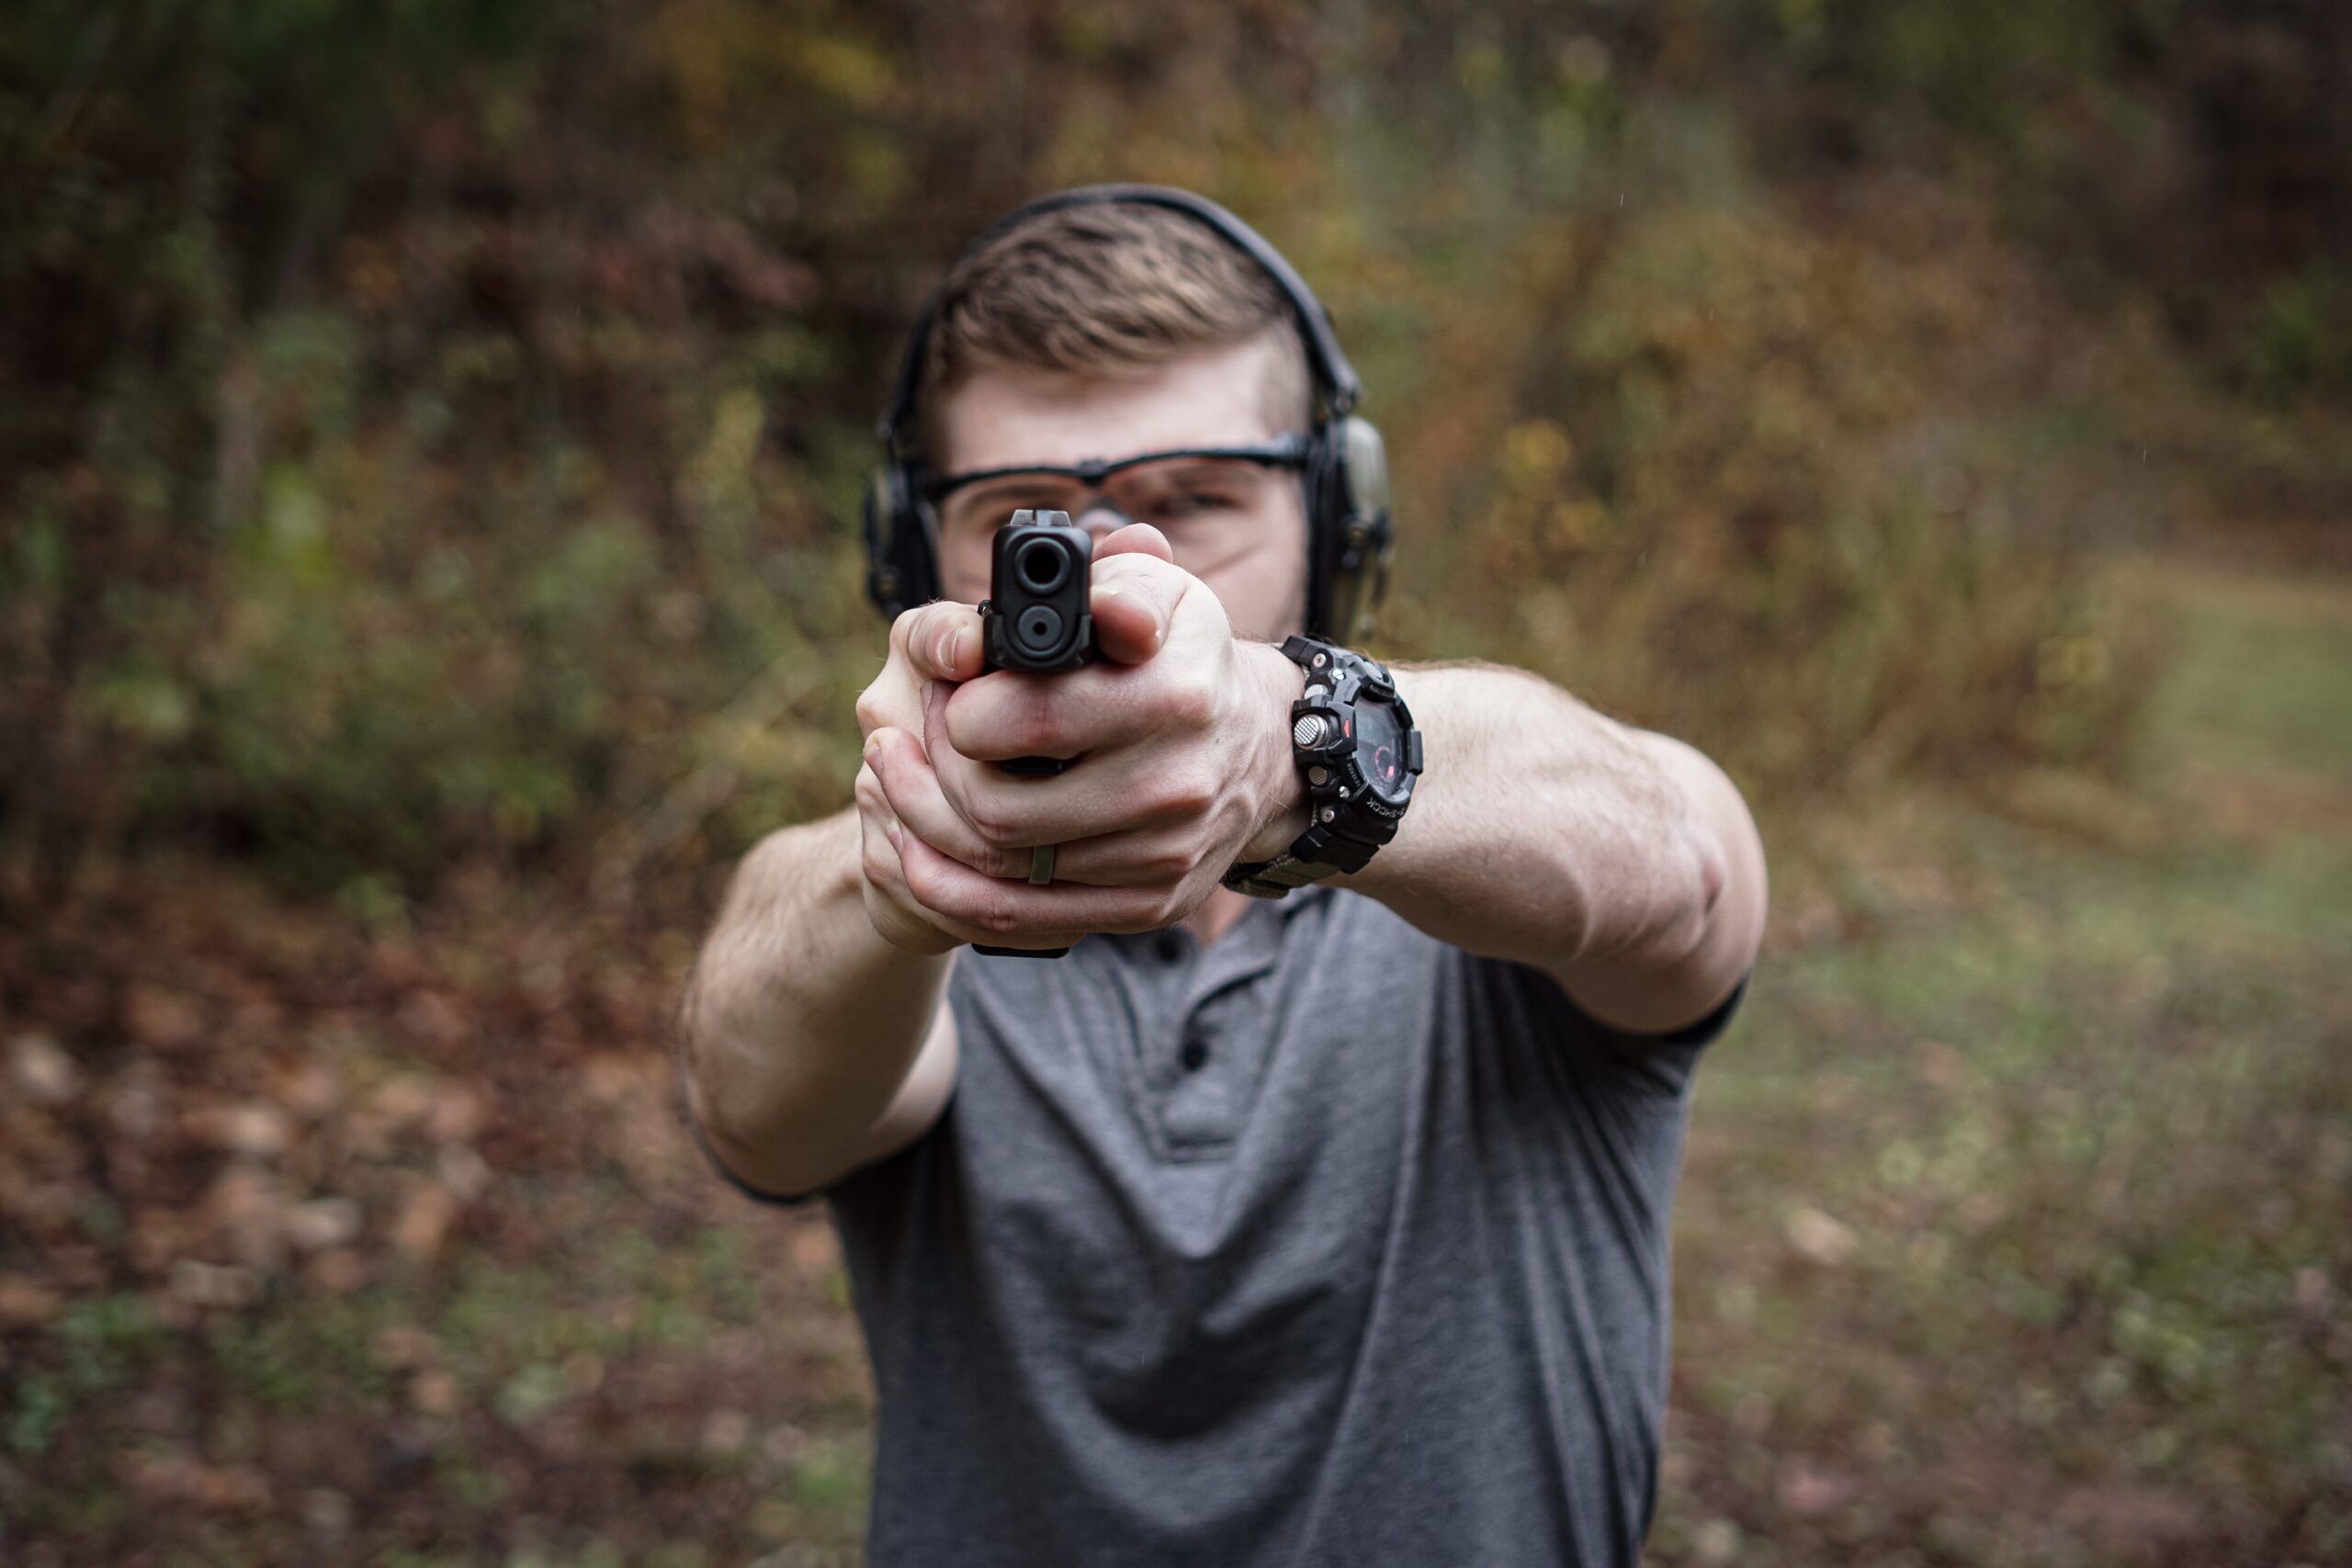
<point>253,1128</point>
<point>434,1392</point>
<point>25,1302</point>
<point>180,1478</point>
<point>336,1272</point>
<point>214,1284</point>
<point>252,1211</point>
<point>424,1220</point>
<point>161,1018</point>
<point>437,1018</point>
<point>1807,1492</point>
<point>406,1344</point>
<point>457,1115</point>
<point>323,1222</point>
<point>43,1073</point>
<point>136,1102</point>
<point>611,1076</point>
<point>815,1249</point>
<point>312,1090</point>
<point>1818,1237</point>
<point>462,1171</point>
<point>402,1101</point>
<point>326,1510</point>
<point>725,1432</point>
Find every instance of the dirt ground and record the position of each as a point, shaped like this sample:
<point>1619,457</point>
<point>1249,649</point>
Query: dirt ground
<point>2012,1230</point>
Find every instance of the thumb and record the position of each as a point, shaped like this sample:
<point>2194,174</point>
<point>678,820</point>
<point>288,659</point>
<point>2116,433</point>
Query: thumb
<point>1135,539</point>
<point>940,641</point>
<point>1134,601</point>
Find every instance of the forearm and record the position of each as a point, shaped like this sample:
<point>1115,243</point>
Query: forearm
<point>801,1022</point>
<point>1620,860</point>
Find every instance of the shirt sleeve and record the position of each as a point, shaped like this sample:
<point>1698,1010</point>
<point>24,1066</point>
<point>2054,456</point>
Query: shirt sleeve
<point>1655,1063</point>
<point>702,1142</point>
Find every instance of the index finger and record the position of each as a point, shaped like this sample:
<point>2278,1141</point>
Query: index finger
<point>940,641</point>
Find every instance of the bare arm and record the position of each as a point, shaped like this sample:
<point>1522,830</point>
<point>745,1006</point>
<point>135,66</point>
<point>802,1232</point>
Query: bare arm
<point>813,1045</point>
<point>1621,861</point>
<point>816,1031</point>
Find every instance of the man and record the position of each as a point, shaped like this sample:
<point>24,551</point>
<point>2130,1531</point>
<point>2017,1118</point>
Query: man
<point>1321,1228</point>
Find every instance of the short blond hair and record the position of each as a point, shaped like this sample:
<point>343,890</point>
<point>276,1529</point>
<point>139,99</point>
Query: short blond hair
<point>1099,289</point>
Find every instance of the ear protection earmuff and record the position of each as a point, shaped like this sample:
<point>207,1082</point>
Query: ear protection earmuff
<point>1349,536</point>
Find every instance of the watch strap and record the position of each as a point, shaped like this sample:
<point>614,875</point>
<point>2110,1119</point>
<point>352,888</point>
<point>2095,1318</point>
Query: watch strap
<point>1272,879</point>
<point>1325,848</point>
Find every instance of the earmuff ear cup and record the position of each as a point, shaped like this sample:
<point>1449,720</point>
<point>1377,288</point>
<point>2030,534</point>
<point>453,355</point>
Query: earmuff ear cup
<point>1371,532</point>
<point>883,584</point>
<point>901,563</point>
<point>1353,538</point>
<point>1318,486</point>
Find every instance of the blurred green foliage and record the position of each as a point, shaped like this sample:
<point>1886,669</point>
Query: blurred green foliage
<point>428,432</point>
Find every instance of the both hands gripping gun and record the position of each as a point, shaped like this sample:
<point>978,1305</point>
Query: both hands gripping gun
<point>1036,619</point>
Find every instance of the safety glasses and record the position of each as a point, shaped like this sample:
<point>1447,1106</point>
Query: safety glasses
<point>1290,452</point>
<point>1177,489</point>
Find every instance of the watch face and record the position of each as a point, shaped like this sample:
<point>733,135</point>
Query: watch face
<point>1380,750</point>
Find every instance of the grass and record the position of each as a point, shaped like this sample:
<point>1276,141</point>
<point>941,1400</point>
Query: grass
<point>2011,1230</point>
<point>2010,1233</point>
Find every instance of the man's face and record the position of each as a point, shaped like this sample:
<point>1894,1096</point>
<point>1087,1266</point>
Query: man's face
<point>1240,527</point>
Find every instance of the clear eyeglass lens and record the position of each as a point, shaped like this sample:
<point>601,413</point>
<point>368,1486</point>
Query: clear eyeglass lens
<point>1174,491</point>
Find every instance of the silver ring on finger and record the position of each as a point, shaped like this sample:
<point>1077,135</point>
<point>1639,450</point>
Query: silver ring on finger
<point>1041,863</point>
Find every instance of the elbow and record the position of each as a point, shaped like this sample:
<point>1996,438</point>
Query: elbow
<point>1686,901</point>
<point>765,1163</point>
<point>1731,893</point>
<point>1693,910</point>
<point>749,1136</point>
<point>1715,894</point>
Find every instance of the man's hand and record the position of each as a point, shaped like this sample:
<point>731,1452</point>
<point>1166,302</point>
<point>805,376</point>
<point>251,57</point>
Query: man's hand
<point>936,642</point>
<point>1183,765</point>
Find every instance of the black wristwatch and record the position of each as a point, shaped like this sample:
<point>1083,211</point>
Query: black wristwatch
<point>1358,752</point>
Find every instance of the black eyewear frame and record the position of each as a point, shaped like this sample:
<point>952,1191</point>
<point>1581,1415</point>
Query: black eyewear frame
<point>1291,452</point>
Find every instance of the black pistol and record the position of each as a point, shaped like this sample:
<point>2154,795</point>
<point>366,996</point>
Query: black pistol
<point>1035,616</point>
<point>1036,619</point>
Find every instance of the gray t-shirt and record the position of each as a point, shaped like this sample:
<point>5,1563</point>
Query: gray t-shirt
<point>1326,1242</point>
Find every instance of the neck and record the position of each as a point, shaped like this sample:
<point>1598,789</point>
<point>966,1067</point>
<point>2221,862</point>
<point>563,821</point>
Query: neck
<point>1216,915</point>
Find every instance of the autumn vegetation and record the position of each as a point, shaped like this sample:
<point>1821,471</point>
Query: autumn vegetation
<point>430,438</point>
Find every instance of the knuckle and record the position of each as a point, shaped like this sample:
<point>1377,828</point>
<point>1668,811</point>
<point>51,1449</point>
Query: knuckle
<point>873,713</point>
<point>913,634</point>
<point>909,623</point>
<point>1168,865</point>
<point>1146,913</point>
<point>922,883</point>
<point>993,912</point>
<point>902,631</point>
<point>983,908</point>
<point>1189,789</point>
<point>992,823</point>
<point>1038,726</point>
<point>1191,700</point>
